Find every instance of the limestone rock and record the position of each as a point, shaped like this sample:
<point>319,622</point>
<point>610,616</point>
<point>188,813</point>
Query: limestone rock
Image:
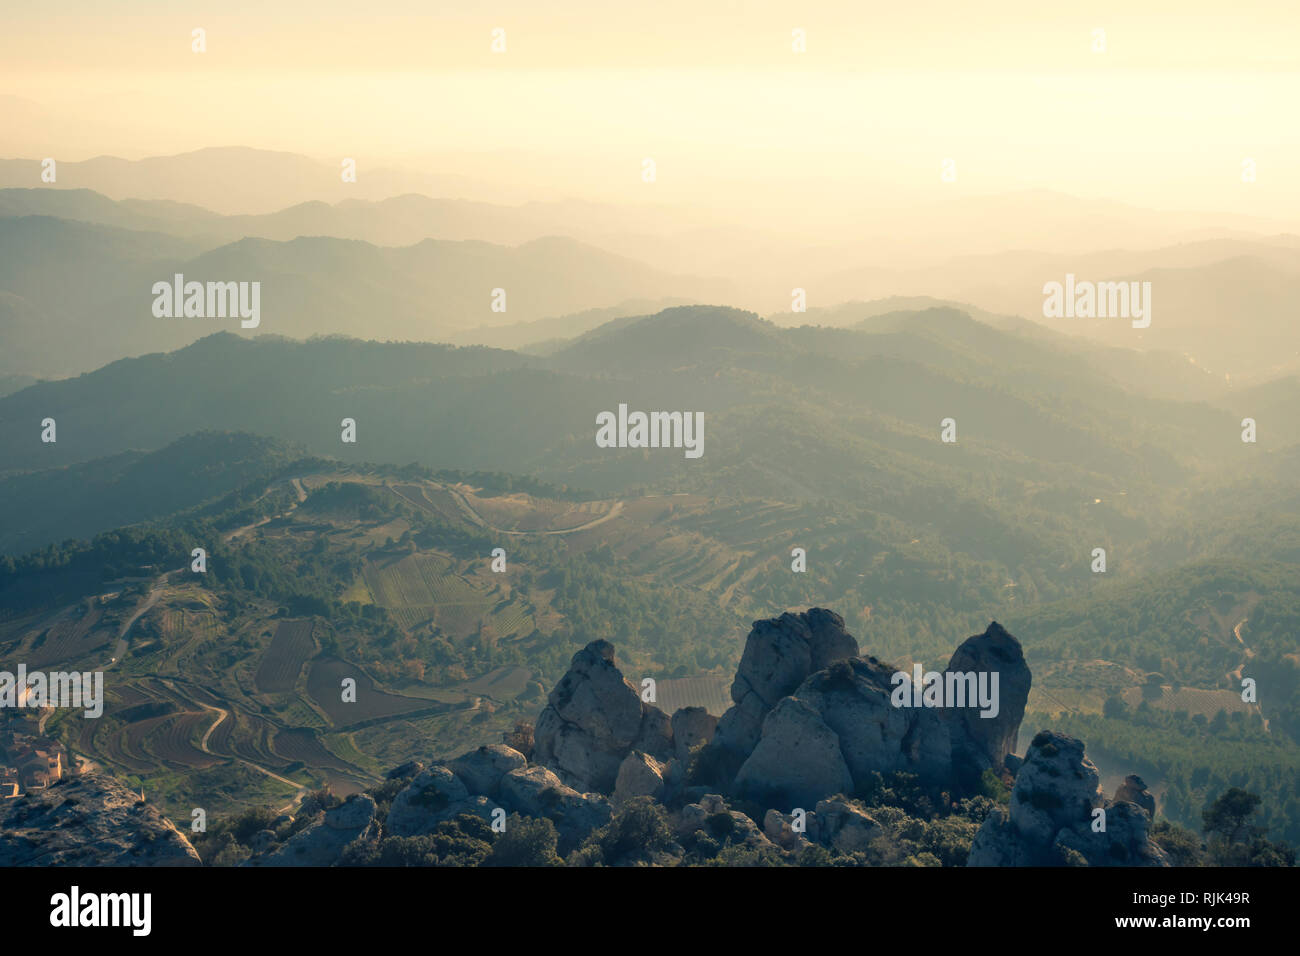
<point>481,770</point>
<point>432,797</point>
<point>640,775</point>
<point>409,769</point>
<point>797,760</point>
<point>983,743</point>
<point>537,792</point>
<point>779,828</point>
<point>853,699</point>
<point>779,655</point>
<point>712,815</point>
<point>845,826</point>
<point>89,820</point>
<point>595,717</point>
<point>1134,790</point>
<point>692,726</point>
<point>1052,811</point>
<point>322,843</point>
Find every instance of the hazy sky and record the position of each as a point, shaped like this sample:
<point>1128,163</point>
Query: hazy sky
<point>1016,96</point>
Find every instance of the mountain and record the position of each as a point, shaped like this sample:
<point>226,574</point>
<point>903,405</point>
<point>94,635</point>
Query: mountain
<point>78,501</point>
<point>309,286</point>
<point>232,180</point>
<point>1223,304</point>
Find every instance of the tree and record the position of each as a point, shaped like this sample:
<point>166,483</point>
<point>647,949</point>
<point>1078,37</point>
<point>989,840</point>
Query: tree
<point>527,841</point>
<point>1228,816</point>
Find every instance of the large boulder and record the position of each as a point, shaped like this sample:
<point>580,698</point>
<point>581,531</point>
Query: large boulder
<point>853,702</point>
<point>1052,817</point>
<point>844,825</point>
<point>322,843</point>
<point>717,820</point>
<point>853,698</point>
<point>90,820</point>
<point>433,796</point>
<point>779,655</point>
<point>481,770</point>
<point>537,792</point>
<point>983,742</point>
<point>692,726</point>
<point>640,775</point>
<point>1134,790</point>
<point>796,761</point>
<point>593,719</point>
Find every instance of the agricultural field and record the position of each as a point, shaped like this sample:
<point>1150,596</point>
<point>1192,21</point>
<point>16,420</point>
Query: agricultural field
<point>72,637</point>
<point>1192,700</point>
<point>524,513</point>
<point>324,683</point>
<point>290,648</point>
<point>712,692</point>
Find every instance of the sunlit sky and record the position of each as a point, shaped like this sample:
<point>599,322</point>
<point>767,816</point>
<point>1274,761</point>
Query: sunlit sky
<point>711,91</point>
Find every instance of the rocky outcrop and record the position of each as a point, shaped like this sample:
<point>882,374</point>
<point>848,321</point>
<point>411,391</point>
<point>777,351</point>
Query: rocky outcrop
<point>983,743</point>
<point>593,719</point>
<point>90,820</point>
<point>433,796</point>
<point>692,726</point>
<point>640,775</point>
<point>779,655</point>
<point>481,770</point>
<point>537,792</point>
<point>843,825</point>
<point>1134,790</point>
<point>836,823</point>
<point>797,760</point>
<point>1053,820</point>
<point>841,725</point>
<point>711,815</point>
<point>322,843</point>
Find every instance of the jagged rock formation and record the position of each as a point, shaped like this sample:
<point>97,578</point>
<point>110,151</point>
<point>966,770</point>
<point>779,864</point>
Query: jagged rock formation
<point>836,726</point>
<point>593,719</point>
<point>482,769</point>
<point>983,743</point>
<point>836,823</point>
<point>811,725</point>
<point>434,795</point>
<point>487,779</point>
<point>537,792</point>
<point>322,843</point>
<point>1051,819</point>
<point>1134,790</point>
<point>90,820</point>
<point>640,775</point>
<point>692,726</point>
<point>712,815</point>
<point>779,655</point>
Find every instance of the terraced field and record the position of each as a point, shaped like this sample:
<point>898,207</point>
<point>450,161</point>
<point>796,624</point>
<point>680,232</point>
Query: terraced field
<point>1193,700</point>
<point>303,745</point>
<point>324,685</point>
<point>71,638</point>
<point>418,580</point>
<point>504,683</point>
<point>713,693</point>
<point>282,663</point>
<point>520,512</point>
<point>175,741</point>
